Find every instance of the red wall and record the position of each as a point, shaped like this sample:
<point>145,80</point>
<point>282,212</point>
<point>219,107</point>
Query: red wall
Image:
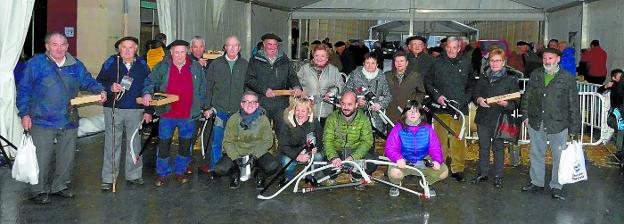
<point>61,14</point>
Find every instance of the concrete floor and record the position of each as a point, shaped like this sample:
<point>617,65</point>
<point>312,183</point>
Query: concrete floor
<point>599,200</point>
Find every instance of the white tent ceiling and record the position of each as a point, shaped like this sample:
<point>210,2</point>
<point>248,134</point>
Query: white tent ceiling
<point>429,10</point>
<point>433,27</point>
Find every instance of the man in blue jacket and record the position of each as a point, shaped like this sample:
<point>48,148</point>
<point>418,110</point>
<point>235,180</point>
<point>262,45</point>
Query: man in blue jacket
<point>122,75</point>
<point>50,81</point>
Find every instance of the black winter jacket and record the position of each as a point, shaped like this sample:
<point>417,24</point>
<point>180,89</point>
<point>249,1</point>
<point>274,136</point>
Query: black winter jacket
<point>557,104</point>
<point>452,78</point>
<point>225,86</point>
<point>262,75</point>
<point>508,83</point>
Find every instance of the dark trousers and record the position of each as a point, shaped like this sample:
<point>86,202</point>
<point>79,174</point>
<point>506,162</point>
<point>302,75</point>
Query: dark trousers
<point>595,79</point>
<point>370,167</point>
<point>275,113</point>
<point>267,165</point>
<point>498,146</point>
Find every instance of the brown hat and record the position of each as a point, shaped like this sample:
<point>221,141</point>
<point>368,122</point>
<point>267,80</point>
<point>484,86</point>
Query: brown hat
<point>133,39</point>
<point>271,36</point>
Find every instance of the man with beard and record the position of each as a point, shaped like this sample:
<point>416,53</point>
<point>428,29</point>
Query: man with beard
<point>348,134</point>
<point>550,109</point>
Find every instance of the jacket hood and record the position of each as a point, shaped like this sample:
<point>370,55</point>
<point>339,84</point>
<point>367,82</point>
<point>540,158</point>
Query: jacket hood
<point>568,52</point>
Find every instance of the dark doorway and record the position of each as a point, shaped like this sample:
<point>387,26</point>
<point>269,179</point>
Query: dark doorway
<point>34,39</point>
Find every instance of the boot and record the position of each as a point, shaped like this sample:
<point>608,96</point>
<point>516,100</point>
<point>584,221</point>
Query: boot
<point>235,183</point>
<point>162,166</point>
<point>260,180</point>
<point>163,169</point>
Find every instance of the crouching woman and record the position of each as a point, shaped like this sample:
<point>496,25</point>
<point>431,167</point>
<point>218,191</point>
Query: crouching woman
<point>301,129</point>
<point>247,133</point>
<point>413,142</point>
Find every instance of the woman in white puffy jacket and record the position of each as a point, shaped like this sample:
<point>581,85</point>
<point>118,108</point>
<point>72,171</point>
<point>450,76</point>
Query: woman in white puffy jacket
<point>321,81</point>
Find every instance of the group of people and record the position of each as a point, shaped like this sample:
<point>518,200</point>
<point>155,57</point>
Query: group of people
<point>313,112</point>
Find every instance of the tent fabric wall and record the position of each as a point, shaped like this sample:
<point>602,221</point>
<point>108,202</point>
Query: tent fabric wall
<point>424,10</point>
<point>14,21</point>
<point>602,24</point>
<point>214,20</point>
<point>265,20</point>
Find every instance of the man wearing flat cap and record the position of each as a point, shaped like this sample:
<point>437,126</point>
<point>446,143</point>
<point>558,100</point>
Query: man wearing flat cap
<point>530,60</point>
<point>550,109</point>
<point>122,76</point>
<point>271,70</point>
<point>181,76</point>
<point>418,59</point>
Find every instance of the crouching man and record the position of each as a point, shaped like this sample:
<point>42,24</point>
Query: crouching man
<point>246,141</point>
<point>348,134</point>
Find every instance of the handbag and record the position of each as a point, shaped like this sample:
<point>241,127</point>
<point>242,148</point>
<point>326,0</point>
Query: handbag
<point>25,168</point>
<point>507,128</point>
<point>572,164</point>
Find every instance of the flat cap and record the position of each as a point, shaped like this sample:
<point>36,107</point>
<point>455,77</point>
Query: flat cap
<point>339,44</point>
<point>271,36</point>
<point>551,50</point>
<point>522,42</point>
<point>133,39</point>
<point>409,39</point>
<point>178,43</point>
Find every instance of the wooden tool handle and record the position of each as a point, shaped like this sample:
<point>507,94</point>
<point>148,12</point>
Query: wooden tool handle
<point>284,92</point>
<point>85,99</point>
<point>165,99</point>
<point>510,96</point>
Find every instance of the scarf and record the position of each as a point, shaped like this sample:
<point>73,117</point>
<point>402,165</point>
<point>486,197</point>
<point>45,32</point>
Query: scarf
<point>370,75</point>
<point>415,123</point>
<point>495,75</point>
<point>247,119</point>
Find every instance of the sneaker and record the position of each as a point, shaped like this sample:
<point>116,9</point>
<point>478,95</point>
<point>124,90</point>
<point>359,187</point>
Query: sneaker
<point>138,181</point>
<point>160,181</point>
<point>65,193</point>
<point>459,176</point>
<point>235,184</point>
<point>41,198</point>
<point>205,169</point>
<point>260,184</point>
<point>183,178</point>
<point>106,186</point>
<point>394,192</point>
<point>532,188</point>
<point>360,187</point>
<point>557,194</point>
<point>189,169</point>
<point>283,182</point>
<point>432,192</point>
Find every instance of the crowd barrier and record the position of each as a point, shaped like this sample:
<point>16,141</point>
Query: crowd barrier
<point>594,109</point>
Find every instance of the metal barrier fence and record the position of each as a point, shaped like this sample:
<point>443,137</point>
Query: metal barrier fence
<point>594,111</point>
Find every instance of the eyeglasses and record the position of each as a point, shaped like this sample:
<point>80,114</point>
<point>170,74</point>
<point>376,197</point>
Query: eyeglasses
<point>497,61</point>
<point>245,102</point>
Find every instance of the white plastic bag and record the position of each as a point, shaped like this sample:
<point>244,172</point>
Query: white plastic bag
<point>25,168</point>
<point>572,164</point>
